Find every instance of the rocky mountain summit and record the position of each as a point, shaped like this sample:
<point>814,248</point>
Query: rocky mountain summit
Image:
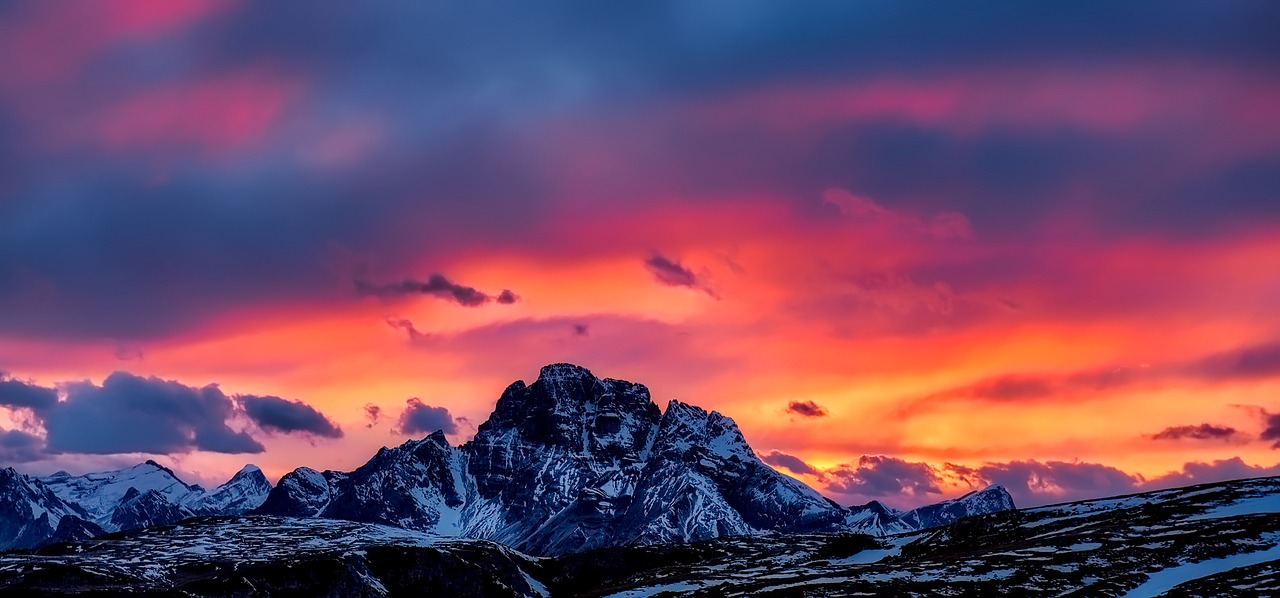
<point>573,462</point>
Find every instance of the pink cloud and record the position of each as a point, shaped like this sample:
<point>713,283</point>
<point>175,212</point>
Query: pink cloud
<point>219,114</point>
<point>53,42</point>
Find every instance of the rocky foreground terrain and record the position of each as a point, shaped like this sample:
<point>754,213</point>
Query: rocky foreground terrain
<point>1210,540</point>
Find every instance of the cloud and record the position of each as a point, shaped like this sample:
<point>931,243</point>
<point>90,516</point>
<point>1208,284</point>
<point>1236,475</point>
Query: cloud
<point>1200,432</point>
<point>793,464</point>
<point>408,328</point>
<point>1218,471</point>
<point>1035,483</point>
<point>373,413</point>
<point>420,418</point>
<point>275,414</point>
<point>133,414</point>
<point>674,274</point>
<point>1246,363</point>
<point>437,286</point>
<point>581,329</point>
<point>1253,362</point>
<point>19,394</point>
<point>881,476</point>
<point>806,409</point>
<point>17,446</point>
<point>1272,430</point>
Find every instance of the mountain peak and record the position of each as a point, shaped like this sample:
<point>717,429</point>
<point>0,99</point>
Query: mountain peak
<point>556,371</point>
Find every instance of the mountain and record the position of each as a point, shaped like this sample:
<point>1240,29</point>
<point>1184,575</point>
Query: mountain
<point>1218,539</point>
<point>993,499</point>
<point>876,519</point>
<point>64,508</point>
<point>574,462</point>
<point>30,512</point>
<point>571,462</point>
<point>99,494</point>
<point>246,490</point>
<point>145,509</point>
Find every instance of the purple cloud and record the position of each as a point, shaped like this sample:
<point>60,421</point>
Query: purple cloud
<point>806,409</point>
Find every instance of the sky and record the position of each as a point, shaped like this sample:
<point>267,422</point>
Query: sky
<point>912,248</point>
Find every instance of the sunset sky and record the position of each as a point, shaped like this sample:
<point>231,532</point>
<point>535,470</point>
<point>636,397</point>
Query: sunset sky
<point>911,248</point>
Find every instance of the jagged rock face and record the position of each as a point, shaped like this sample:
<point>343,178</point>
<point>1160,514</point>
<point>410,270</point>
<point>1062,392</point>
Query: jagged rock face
<point>73,529</point>
<point>30,512</point>
<point>303,492</point>
<point>573,462</point>
<point>569,447</point>
<point>418,485</point>
<point>144,509</point>
<point>243,492</point>
<point>710,446</point>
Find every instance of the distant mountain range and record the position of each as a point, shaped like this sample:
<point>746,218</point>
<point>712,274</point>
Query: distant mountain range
<point>1217,540</point>
<point>569,463</point>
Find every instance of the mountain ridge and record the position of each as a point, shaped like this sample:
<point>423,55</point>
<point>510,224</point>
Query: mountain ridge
<point>573,462</point>
<point>570,462</point>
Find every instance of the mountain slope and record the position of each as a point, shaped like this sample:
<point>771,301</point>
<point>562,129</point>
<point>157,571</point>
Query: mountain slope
<point>30,512</point>
<point>100,493</point>
<point>246,490</point>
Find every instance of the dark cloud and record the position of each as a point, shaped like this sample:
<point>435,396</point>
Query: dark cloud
<point>1218,471</point>
<point>1246,363</point>
<point>17,446</point>
<point>373,413</point>
<point>881,476</point>
<point>581,329</point>
<point>806,409</point>
<point>438,286</point>
<point>408,328</point>
<point>275,414</point>
<point>135,414</point>
<point>1271,432</point>
<point>132,414</point>
<point>793,464</point>
<point>18,394</point>
<point>420,418</point>
<point>1034,483</point>
<point>674,274</point>
<point>1200,432</point>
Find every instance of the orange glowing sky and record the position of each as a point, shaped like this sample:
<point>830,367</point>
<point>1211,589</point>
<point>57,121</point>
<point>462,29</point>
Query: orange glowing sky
<point>1048,265</point>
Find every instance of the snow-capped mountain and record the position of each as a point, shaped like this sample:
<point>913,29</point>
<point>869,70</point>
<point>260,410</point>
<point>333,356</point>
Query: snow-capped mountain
<point>144,509</point>
<point>29,511</point>
<point>243,492</point>
<point>877,519</point>
<point>100,493</point>
<point>65,508</point>
<point>574,462</point>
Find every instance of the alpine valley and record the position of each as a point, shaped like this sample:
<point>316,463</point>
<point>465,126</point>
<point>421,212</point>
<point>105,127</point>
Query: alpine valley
<point>577,485</point>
